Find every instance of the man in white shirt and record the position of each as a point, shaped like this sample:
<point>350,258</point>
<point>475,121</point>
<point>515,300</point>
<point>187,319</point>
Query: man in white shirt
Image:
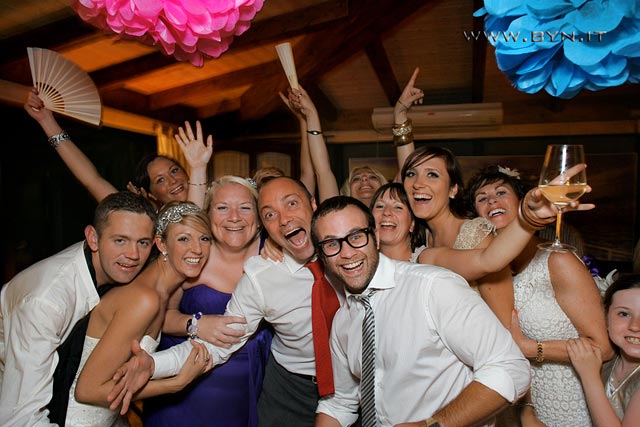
<point>40,306</point>
<point>278,292</point>
<point>441,355</point>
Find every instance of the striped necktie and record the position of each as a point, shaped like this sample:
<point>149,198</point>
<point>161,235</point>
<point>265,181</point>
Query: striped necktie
<point>367,382</point>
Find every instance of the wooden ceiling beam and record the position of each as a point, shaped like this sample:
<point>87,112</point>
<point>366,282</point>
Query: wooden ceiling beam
<point>292,24</point>
<point>384,71</point>
<point>325,49</point>
<point>114,76</point>
<point>234,79</point>
<point>220,107</point>
<point>134,102</point>
<point>48,36</point>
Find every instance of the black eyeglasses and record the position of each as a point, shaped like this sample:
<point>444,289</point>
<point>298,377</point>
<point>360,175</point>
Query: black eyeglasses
<point>355,239</point>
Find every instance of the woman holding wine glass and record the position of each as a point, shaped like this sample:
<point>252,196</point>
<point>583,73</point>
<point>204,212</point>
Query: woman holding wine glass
<point>562,181</point>
<point>555,300</point>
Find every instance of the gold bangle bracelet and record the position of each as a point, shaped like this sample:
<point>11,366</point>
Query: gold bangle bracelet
<point>399,141</point>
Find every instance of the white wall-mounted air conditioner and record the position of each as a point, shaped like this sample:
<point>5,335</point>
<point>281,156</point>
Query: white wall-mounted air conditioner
<point>428,116</point>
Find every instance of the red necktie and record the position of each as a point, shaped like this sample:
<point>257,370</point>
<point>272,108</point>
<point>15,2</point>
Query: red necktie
<point>324,304</point>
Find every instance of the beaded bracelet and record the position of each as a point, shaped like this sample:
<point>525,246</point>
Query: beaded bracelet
<point>55,140</point>
<point>539,352</point>
<point>198,184</point>
<point>192,325</point>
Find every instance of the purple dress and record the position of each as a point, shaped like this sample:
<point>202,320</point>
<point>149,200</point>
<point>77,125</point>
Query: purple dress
<point>228,395</point>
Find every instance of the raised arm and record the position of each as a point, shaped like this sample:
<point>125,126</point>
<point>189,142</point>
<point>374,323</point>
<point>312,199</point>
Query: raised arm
<point>77,162</point>
<point>307,174</point>
<point>410,95</point>
<point>327,185</point>
<point>198,155</point>
<point>535,212</point>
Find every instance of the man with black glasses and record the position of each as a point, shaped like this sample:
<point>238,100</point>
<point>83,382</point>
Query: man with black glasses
<point>412,342</point>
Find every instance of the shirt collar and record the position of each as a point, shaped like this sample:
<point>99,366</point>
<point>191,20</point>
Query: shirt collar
<point>88,257</point>
<point>292,264</point>
<point>383,279</point>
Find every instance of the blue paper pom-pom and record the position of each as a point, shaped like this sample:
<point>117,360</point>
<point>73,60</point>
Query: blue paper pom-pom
<point>565,46</point>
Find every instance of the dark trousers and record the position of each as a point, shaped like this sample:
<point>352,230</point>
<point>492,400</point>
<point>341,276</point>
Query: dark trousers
<point>287,399</point>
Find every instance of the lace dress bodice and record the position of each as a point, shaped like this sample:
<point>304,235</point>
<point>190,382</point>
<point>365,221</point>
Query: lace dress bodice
<point>556,391</point>
<point>472,232</point>
<point>82,415</point>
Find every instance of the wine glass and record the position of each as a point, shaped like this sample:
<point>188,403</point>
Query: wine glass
<point>562,182</point>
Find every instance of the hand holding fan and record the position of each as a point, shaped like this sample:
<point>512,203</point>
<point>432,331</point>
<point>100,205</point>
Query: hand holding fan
<point>286,59</point>
<point>63,86</point>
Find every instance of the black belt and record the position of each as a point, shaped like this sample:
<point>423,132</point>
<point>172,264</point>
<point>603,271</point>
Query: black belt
<point>311,378</point>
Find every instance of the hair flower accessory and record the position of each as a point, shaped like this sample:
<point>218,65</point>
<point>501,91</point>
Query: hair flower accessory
<point>509,172</point>
<point>190,30</point>
<point>564,46</point>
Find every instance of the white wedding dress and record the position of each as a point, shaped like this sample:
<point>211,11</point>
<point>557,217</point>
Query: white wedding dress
<point>82,415</point>
<point>556,391</point>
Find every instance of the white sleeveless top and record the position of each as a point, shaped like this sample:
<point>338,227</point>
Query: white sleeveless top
<point>556,390</point>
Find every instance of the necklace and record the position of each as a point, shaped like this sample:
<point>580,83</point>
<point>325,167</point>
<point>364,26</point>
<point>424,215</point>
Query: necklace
<point>624,380</point>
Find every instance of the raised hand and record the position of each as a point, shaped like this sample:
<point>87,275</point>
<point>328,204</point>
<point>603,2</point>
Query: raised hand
<point>140,191</point>
<point>34,106</point>
<point>216,330</point>
<point>300,101</point>
<point>542,208</point>
<point>410,95</point>
<point>130,378</point>
<point>193,146</point>
<point>296,112</point>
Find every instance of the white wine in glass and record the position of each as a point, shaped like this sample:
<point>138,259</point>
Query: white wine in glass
<point>562,181</point>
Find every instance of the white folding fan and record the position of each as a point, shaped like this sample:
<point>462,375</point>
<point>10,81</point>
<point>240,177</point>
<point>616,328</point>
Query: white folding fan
<point>63,86</point>
<point>286,59</point>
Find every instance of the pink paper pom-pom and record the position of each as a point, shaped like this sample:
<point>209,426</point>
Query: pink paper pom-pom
<point>190,30</point>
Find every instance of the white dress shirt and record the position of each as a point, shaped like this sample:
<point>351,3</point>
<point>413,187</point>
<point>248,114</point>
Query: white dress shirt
<point>280,293</point>
<point>434,336</point>
<point>38,310</point>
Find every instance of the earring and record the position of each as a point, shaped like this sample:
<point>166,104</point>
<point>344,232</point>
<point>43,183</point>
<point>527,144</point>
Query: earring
<point>164,256</point>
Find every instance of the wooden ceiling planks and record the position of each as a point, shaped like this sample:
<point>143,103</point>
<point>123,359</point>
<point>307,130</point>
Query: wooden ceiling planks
<point>352,56</point>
